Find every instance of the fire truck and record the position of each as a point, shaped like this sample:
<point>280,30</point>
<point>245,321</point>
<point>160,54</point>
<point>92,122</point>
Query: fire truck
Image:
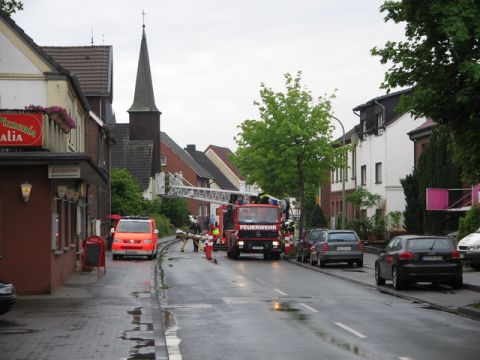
<point>245,227</point>
<point>252,229</point>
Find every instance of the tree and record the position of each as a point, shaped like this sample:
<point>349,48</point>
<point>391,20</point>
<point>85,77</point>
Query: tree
<point>10,6</point>
<point>440,59</point>
<point>290,146</point>
<point>413,213</point>
<point>126,195</point>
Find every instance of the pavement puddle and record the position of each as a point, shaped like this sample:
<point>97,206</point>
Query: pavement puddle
<point>142,335</point>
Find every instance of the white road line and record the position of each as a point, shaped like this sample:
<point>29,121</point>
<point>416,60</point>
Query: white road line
<point>350,330</point>
<point>309,307</point>
<point>404,358</point>
<point>280,292</point>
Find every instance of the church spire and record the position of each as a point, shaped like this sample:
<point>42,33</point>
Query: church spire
<point>144,99</point>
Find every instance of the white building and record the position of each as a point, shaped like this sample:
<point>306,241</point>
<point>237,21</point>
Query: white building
<point>384,152</point>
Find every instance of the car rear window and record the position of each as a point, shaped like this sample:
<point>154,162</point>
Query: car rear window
<point>133,226</point>
<point>430,244</point>
<point>315,235</point>
<point>342,236</point>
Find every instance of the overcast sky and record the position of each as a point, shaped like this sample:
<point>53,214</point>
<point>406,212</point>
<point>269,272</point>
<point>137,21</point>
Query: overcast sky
<point>209,57</point>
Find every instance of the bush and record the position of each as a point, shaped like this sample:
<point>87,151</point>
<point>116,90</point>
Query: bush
<point>164,226</point>
<point>469,223</point>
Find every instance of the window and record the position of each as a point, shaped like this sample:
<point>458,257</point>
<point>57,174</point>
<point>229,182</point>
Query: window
<point>363,174</point>
<point>163,160</point>
<point>379,120</point>
<point>378,173</point>
<point>354,164</point>
<point>364,126</point>
<point>332,176</point>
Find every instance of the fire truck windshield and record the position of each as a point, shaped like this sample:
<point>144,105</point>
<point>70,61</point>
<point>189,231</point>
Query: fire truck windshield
<point>258,215</point>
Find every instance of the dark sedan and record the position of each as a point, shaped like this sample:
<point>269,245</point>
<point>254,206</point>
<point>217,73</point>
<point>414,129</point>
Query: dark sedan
<point>8,296</point>
<point>337,246</point>
<point>412,258</point>
<point>305,244</point>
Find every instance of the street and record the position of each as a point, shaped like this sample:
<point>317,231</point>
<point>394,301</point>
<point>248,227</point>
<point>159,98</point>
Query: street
<point>244,309</point>
<point>259,309</point>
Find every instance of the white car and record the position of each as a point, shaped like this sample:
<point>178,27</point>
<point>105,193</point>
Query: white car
<point>469,249</point>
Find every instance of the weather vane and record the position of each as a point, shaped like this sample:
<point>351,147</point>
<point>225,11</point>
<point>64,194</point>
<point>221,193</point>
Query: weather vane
<point>143,16</point>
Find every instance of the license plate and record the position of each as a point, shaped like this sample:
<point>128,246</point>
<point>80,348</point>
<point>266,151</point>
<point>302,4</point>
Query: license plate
<point>432,258</point>
<point>343,248</point>
<point>257,247</point>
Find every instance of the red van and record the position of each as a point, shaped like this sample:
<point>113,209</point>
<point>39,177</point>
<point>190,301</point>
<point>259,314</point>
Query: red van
<point>135,236</point>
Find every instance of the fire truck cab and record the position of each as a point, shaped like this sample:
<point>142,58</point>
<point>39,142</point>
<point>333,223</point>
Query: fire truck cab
<point>253,229</point>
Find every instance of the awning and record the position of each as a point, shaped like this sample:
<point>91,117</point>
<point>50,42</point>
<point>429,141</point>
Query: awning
<point>89,170</point>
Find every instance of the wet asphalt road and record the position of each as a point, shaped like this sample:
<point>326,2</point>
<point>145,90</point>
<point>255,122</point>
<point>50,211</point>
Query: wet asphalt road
<point>256,309</point>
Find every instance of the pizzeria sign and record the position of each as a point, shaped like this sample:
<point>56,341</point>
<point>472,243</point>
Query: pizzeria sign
<point>21,129</point>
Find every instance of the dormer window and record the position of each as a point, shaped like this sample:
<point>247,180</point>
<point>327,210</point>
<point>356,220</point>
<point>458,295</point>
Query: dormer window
<point>379,123</point>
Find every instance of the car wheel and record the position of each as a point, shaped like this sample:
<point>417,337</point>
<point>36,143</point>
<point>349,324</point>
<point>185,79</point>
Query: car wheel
<point>360,263</point>
<point>398,283</point>
<point>458,283</point>
<point>350,263</point>
<point>115,257</point>
<point>378,278</point>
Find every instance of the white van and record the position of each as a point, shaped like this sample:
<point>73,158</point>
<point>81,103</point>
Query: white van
<point>469,249</point>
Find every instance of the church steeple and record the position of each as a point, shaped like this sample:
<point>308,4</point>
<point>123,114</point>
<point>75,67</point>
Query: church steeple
<point>144,100</point>
<point>143,114</point>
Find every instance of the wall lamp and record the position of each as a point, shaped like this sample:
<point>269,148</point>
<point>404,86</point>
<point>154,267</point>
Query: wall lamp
<point>26,190</point>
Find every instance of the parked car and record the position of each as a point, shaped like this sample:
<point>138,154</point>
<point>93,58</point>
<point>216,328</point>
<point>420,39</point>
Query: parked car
<point>337,246</point>
<point>135,236</point>
<point>8,296</point>
<point>305,244</point>
<point>469,249</point>
<point>413,258</point>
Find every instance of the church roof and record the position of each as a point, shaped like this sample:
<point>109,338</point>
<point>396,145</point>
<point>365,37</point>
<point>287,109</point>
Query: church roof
<point>144,99</point>
<point>133,155</point>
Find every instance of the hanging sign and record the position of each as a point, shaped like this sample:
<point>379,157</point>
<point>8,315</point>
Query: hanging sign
<point>22,129</point>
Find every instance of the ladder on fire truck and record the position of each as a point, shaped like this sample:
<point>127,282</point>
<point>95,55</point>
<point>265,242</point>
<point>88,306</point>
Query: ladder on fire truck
<point>175,187</point>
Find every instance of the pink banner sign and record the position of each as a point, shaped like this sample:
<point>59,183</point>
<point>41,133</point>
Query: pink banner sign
<point>437,199</point>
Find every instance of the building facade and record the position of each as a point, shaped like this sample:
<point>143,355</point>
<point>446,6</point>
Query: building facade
<point>46,171</point>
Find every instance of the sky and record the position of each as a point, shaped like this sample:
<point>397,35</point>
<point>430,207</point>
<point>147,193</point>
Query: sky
<point>208,58</point>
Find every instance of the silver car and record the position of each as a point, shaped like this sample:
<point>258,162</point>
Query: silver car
<point>337,246</point>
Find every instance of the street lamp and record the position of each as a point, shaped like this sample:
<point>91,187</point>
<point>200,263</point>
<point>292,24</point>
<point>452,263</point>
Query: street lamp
<point>344,205</point>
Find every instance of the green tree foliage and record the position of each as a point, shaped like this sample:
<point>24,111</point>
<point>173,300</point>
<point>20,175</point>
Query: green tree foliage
<point>437,170</point>
<point>469,223</point>
<point>126,195</point>
<point>413,214</point>
<point>362,198</point>
<point>290,146</point>
<point>440,58</point>
<point>317,218</point>
<point>176,210</point>
<point>11,6</point>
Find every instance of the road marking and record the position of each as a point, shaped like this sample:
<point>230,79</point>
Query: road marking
<point>350,330</point>
<point>309,307</point>
<point>404,358</point>
<point>280,292</point>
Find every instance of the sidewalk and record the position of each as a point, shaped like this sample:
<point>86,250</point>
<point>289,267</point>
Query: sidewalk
<point>112,315</point>
<point>439,297</point>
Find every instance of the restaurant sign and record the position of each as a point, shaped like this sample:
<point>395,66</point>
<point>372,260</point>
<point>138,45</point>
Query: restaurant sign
<point>21,129</point>
<point>64,171</point>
